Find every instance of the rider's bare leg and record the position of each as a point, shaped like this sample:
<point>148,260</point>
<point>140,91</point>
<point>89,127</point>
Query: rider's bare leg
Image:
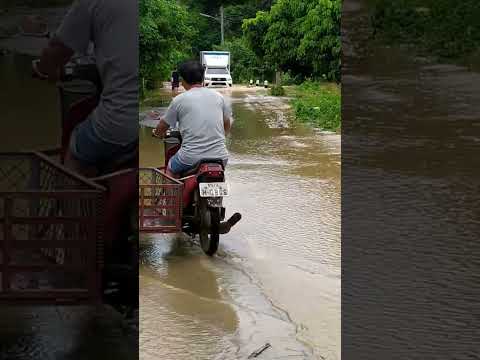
<point>73,164</point>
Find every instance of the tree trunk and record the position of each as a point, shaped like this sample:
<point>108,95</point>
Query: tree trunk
<point>278,78</point>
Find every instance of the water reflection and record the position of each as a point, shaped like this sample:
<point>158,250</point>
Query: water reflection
<point>410,193</point>
<point>64,333</point>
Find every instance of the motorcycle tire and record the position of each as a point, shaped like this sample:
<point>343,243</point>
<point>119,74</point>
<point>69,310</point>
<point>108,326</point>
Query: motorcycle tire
<point>209,228</point>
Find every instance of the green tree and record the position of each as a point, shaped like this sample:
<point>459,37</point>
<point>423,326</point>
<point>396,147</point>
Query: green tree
<point>321,43</point>
<point>244,62</point>
<point>212,6</point>
<point>234,16</point>
<point>299,36</point>
<point>165,34</point>
<point>448,28</point>
<point>235,11</point>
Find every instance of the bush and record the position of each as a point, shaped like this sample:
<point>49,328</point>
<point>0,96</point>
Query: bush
<point>447,28</point>
<point>318,104</point>
<point>277,91</point>
<point>289,79</point>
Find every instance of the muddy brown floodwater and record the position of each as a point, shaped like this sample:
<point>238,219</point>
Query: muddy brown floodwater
<point>410,161</point>
<point>276,278</point>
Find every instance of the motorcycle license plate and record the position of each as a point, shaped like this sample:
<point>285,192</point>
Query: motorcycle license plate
<point>213,189</point>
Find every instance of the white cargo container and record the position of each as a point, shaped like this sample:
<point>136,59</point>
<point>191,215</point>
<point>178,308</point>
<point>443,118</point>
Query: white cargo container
<point>217,68</point>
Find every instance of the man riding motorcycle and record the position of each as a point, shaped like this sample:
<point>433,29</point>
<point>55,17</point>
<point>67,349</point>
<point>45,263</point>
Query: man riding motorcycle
<point>204,119</point>
<point>111,130</point>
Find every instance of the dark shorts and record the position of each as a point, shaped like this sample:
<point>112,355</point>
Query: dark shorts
<point>88,148</point>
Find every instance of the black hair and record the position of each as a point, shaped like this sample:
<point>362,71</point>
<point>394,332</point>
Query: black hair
<point>191,72</point>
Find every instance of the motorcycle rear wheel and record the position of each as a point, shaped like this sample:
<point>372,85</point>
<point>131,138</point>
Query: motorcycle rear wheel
<point>209,228</point>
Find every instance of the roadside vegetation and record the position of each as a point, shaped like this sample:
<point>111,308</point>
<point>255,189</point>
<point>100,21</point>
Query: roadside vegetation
<point>317,103</point>
<point>154,98</point>
<point>449,29</point>
<point>297,41</point>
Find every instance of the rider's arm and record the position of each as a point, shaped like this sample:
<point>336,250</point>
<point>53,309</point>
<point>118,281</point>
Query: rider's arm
<point>168,121</point>
<point>73,35</point>
<point>161,129</point>
<point>227,124</point>
<point>227,116</point>
<point>53,58</point>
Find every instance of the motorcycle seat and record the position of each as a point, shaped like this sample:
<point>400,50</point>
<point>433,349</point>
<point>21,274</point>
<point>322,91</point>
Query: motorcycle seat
<point>195,169</point>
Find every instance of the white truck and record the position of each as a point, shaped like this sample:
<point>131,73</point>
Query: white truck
<point>217,68</point>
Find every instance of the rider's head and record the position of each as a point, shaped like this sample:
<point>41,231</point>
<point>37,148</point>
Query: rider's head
<point>191,73</point>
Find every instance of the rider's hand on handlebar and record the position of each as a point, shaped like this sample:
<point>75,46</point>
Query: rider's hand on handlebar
<point>36,71</point>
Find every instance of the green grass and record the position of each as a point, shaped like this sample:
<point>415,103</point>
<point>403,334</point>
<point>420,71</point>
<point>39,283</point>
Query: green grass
<point>318,104</point>
<point>155,98</point>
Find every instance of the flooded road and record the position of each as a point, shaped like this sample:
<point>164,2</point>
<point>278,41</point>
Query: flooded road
<point>410,159</point>
<point>276,278</point>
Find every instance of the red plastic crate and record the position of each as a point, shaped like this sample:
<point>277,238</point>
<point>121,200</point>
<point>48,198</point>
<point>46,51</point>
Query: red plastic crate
<point>160,202</point>
<point>51,228</point>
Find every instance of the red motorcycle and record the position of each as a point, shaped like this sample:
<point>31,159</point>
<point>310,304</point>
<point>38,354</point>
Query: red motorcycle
<point>204,188</point>
<point>80,88</point>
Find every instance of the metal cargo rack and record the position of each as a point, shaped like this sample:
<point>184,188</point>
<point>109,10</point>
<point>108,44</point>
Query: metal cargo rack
<point>160,202</point>
<point>51,228</point>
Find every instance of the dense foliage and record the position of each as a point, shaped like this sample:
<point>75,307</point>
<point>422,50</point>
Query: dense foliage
<point>245,64</point>
<point>165,35</point>
<point>448,28</point>
<point>300,36</point>
<point>235,11</point>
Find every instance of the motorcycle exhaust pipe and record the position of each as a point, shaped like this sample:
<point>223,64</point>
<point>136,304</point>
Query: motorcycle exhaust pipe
<point>226,226</point>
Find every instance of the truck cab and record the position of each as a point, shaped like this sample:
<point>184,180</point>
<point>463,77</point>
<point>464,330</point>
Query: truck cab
<point>217,68</point>
<point>217,77</point>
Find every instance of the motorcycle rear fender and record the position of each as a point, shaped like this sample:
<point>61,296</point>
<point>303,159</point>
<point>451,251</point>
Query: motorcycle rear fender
<point>209,172</point>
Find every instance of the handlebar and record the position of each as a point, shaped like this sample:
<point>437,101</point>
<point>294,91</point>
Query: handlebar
<point>74,71</point>
<point>35,71</point>
<point>169,134</point>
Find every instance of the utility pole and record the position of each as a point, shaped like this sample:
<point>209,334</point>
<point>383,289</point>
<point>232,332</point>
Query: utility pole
<point>222,24</point>
<point>221,21</point>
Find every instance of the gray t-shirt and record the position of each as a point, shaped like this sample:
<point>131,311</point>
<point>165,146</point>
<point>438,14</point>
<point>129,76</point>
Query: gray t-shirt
<point>112,25</point>
<point>200,113</point>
